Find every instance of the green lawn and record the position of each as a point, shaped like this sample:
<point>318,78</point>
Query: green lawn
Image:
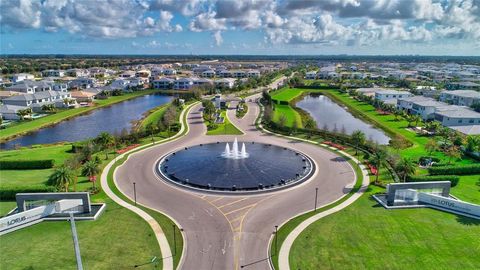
<point>27,126</point>
<point>290,114</point>
<point>6,206</point>
<point>367,236</point>
<point>468,189</point>
<point>119,239</point>
<point>286,94</point>
<point>155,115</point>
<point>226,128</point>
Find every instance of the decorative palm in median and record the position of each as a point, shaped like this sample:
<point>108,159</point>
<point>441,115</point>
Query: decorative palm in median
<point>91,169</point>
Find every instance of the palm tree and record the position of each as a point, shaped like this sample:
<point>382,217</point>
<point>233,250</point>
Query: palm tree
<point>405,167</point>
<point>433,126</point>
<point>472,143</point>
<point>90,169</point>
<point>310,125</point>
<point>358,138</point>
<point>61,178</point>
<point>105,140</point>
<point>377,159</point>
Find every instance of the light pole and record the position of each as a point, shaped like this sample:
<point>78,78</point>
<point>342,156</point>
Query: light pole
<point>174,241</point>
<point>316,196</point>
<point>276,237</point>
<point>134,193</point>
<point>76,246</point>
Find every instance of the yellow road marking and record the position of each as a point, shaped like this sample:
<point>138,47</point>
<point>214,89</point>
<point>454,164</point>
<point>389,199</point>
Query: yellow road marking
<point>230,203</point>
<point>214,200</point>
<point>237,218</point>
<point>239,209</point>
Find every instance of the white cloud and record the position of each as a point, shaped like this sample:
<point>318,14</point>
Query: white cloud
<point>218,38</point>
<point>207,22</point>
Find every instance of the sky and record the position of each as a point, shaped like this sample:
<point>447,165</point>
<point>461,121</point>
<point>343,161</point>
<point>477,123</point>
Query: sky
<point>271,27</point>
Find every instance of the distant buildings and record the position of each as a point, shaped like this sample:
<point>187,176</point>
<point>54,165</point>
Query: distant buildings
<point>384,95</point>
<point>460,97</point>
<point>21,77</point>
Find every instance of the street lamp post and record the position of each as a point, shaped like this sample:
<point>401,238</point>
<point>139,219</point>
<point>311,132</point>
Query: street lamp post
<point>316,196</point>
<point>276,237</point>
<point>174,241</point>
<point>135,193</point>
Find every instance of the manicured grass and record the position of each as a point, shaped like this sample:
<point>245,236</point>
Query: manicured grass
<point>155,116</point>
<point>290,114</point>
<point>367,236</point>
<point>468,189</point>
<point>27,126</point>
<point>57,152</point>
<point>286,228</point>
<point>119,239</point>
<point>287,94</point>
<point>226,128</point>
<point>5,207</point>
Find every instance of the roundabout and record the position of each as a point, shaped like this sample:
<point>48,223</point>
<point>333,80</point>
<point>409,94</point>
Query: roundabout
<point>217,167</point>
<point>225,229</point>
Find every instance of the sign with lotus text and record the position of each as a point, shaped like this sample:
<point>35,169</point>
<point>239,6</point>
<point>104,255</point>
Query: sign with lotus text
<point>9,222</point>
<point>449,204</point>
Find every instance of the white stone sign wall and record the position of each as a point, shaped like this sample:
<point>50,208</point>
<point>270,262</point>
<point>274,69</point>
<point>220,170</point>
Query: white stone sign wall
<point>449,204</point>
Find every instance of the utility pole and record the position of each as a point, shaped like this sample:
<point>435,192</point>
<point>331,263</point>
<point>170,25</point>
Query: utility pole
<point>76,246</point>
<point>316,196</point>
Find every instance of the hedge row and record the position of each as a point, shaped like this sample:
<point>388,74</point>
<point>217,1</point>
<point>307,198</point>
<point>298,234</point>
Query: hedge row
<point>8,193</point>
<point>452,178</point>
<point>26,164</point>
<point>455,170</point>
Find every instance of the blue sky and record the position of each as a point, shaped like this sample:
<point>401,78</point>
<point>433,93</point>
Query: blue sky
<point>424,27</point>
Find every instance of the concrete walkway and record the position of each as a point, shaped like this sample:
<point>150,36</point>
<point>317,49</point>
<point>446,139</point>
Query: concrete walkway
<point>167,259</point>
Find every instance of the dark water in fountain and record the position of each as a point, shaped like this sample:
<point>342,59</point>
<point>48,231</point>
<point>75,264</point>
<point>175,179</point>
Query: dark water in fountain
<point>267,165</point>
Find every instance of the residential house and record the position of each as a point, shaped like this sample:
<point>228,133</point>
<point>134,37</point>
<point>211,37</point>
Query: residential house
<point>384,95</point>
<point>53,73</point>
<point>82,83</point>
<point>9,112</point>
<point>225,74</point>
<point>202,81</point>
<point>37,100</point>
<point>7,94</point>
<point>83,96</point>
<point>209,73</point>
<point>457,116</point>
<point>170,71</point>
<point>462,85</point>
<point>239,74</point>
<point>21,77</point>
<point>225,83</point>
<point>253,73</point>
<point>460,97</point>
<point>183,84</point>
<point>30,87</point>
<point>77,72</point>
<point>163,83</point>
<point>419,105</point>
<point>144,73</point>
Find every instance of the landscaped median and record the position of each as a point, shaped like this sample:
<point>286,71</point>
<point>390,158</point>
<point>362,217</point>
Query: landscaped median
<point>29,126</point>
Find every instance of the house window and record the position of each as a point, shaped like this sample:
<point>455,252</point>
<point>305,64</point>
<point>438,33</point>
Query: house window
<point>460,121</point>
<point>471,121</point>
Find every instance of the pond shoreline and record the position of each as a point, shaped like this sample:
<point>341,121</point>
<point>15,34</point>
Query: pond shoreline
<point>101,111</point>
<point>74,115</point>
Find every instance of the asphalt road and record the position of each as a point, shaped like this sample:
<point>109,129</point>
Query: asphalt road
<point>231,231</point>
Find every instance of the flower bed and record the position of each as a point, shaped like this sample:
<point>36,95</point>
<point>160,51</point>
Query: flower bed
<point>128,148</point>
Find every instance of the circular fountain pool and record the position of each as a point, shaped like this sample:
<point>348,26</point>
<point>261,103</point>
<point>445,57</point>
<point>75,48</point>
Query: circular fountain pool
<point>241,167</point>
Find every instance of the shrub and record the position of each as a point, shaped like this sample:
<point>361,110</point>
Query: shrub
<point>283,102</point>
<point>9,192</point>
<point>452,178</point>
<point>26,164</point>
<point>455,170</point>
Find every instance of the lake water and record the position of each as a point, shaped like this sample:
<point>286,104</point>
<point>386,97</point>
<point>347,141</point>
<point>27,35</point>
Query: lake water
<point>329,114</point>
<point>110,119</point>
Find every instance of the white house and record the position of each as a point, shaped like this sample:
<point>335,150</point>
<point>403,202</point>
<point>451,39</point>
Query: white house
<point>170,71</point>
<point>383,95</point>
<point>423,106</point>
<point>311,75</point>
<point>209,73</point>
<point>225,83</point>
<point>202,81</point>
<point>82,82</point>
<point>183,84</point>
<point>77,72</point>
<point>253,73</point>
<point>21,77</point>
<point>460,97</point>
<point>457,116</point>
<point>9,112</point>
<point>37,100</point>
<point>53,73</point>
<point>163,83</point>
<point>225,74</point>
<point>239,74</point>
